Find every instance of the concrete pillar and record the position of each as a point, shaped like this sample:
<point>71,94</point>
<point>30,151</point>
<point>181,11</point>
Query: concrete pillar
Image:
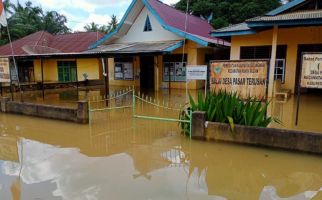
<point>4,101</point>
<point>82,112</point>
<point>272,63</point>
<point>198,125</point>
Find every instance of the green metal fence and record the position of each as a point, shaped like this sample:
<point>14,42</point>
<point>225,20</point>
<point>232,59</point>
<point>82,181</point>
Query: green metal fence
<point>143,107</point>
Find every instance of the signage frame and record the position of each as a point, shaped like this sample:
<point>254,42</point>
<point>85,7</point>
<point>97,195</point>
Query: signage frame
<point>246,60</point>
<point>205,79</point>
<point>9,69</point>
<point>203,67</point>
<point>299,86</point>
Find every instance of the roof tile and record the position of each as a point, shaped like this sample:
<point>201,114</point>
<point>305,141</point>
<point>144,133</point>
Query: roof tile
<point>44,42</point>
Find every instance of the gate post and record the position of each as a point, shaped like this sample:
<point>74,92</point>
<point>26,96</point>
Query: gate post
<point>82,112</point>
<point>198,125</point>
<point>4,102</point>
<point>133,101</point>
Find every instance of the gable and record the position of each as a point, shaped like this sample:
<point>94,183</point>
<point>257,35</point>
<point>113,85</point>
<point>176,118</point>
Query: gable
<point>137,34</point>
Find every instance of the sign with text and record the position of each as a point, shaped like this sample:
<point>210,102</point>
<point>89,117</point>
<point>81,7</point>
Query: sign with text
<point>4,70</point>
<point>248,78</point>
<point>198,72</point>
<point>311,76</point>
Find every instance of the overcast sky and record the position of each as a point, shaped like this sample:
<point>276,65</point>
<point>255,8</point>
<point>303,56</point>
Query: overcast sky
<point>81,12</point>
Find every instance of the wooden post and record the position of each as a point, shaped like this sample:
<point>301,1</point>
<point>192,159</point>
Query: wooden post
<point>77,84</point>
<point>272,63</point>
<point>42,78</point>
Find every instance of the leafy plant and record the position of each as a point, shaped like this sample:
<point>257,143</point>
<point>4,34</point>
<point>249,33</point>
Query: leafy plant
<point>229,108</point>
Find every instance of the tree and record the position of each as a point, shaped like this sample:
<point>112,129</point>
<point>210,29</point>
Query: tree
<point>91,27</point>
<point>27,19</point>
<point>113,23</point>
<point>103,28</point>
<point>55,23</point>
<point>226,12</point>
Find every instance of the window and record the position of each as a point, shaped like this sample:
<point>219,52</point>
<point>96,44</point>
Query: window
<point>147,26</point>
<point>123,69</point>
<point>174,69</point>
<point>66,71</point>
<point>264,52</point>
<point>280,70</point>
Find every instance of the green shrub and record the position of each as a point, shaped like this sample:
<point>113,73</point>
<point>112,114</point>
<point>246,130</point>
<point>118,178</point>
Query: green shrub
<point>228,108</point>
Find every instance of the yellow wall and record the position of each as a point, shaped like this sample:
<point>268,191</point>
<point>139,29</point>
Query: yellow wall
<point>196,56</point>
<point>89,66</point>
<point>86,65</point>
<point>286,36</point>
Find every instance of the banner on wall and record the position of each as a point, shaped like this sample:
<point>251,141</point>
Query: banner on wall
<point>4,70</point>
<point>248,78</point>
<point>311,76</point>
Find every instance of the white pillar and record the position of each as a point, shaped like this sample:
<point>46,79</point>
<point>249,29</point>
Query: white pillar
<point>272,63</point>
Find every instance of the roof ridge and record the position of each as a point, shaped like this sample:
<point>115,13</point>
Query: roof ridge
<point>42,33</point>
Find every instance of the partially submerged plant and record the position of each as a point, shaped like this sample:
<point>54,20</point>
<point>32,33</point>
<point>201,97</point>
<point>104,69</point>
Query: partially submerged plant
<point>229,108</point>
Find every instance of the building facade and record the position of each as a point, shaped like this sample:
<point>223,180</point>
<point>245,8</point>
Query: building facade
<point>280,36</point>
<point>42,56</point>
<point>153,45</point>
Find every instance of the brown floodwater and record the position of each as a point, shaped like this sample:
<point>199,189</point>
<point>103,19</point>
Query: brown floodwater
<point>119,157</point>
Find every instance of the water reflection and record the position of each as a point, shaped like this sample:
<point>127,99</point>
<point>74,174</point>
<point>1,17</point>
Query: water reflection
<point>118,157</point>
<point>270,193</point>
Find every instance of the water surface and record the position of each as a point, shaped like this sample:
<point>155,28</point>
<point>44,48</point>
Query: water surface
<point>118,157</point>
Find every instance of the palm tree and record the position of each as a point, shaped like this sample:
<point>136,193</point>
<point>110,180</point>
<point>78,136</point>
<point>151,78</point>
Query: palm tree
<point>26,19</point>
<point>91,27</point>
<point>113,23</point>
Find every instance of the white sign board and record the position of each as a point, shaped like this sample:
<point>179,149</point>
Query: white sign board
<point>197,72</point>
<point>311,76</point>
<point>4,70</point>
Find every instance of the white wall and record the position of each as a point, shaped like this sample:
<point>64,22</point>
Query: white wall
<point>136,33</point>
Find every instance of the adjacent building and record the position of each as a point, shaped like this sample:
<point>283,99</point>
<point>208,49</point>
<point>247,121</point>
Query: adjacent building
<point>281,36</point>
<point>42,56</point>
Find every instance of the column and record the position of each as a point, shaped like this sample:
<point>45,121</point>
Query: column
<point>272,63</point>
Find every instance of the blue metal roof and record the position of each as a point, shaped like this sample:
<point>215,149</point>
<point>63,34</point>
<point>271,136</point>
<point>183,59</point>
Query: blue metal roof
<point>285,7</point>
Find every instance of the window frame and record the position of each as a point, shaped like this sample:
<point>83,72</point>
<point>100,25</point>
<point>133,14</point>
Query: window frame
<point>147,24</point>
<point>69,65</point>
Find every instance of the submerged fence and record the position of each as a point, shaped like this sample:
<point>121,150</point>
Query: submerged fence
<point>143,107</point>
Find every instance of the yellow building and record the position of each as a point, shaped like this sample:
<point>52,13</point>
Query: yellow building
<point>43,57</point>
<point>281,36</point>
<point>153,44</point>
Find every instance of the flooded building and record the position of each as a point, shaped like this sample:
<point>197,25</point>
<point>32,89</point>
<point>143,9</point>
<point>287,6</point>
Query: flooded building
<point>42,56</point>
<point>154,43</point>
<point>281,36</point>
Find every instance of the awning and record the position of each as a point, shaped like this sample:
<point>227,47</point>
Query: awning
<point>139,47</point>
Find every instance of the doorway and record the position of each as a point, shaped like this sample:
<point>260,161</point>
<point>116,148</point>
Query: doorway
<point>147,72</point>
<point>26,71</point>
<point>306,48</point>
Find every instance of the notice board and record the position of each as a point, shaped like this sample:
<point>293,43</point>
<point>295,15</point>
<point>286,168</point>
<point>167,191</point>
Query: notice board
<point>246,77</point>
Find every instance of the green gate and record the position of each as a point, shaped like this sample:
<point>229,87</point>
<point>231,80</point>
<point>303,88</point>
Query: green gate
<point>142,106</point>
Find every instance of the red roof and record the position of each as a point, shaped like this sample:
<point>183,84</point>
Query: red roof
<point>44,42</point>
<point>176,19</point>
